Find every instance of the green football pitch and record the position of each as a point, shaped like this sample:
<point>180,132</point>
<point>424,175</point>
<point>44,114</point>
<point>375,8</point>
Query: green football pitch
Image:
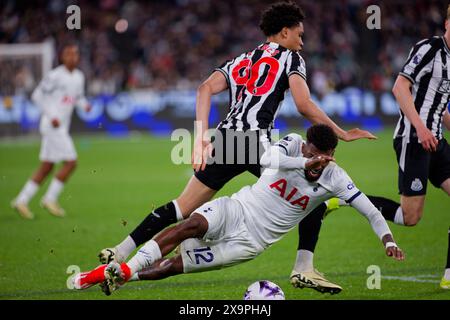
<point>118,181</point>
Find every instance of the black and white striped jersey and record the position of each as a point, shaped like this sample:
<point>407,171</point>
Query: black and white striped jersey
<point>257,83</point>
<point>428,69</point>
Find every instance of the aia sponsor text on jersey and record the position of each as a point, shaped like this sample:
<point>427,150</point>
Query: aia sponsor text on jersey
<point>299,200</point>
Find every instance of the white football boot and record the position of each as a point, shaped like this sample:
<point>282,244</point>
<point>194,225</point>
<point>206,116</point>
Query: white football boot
<point>23,210</point>
<point>54,208</point>
<point>315,280</point>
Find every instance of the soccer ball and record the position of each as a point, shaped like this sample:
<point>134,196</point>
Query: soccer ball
<point>264,290</point>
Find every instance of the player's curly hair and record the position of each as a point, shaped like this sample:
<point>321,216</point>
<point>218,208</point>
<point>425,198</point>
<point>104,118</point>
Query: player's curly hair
<point>322,137</point>
<point>280,15</point>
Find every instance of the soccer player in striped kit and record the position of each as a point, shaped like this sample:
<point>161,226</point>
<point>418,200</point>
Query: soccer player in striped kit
<point>422,90</point>
<point>257,81</point>
<point>56,95</point>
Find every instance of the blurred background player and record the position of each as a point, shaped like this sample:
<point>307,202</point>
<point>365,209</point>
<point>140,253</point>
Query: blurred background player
<point>422,90</point>
<point>257,81</point>
<point>56,96</point>
<point>227,231</point>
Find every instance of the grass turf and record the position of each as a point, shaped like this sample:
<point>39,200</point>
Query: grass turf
<point>119,181</point>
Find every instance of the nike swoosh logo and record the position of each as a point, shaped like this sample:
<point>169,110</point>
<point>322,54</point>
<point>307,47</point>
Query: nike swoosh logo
<point>188,252</point>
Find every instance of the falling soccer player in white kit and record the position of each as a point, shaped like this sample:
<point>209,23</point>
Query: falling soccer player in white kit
<point>57,94</point>
<point>298,177</point>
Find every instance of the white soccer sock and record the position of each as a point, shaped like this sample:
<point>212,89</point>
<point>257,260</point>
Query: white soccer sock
<point>145,257</point>
<point>398,218</point>
<point>54,190</point>
<point>447,274</point>
<point>28,191</point>
<point>125,248</point>
<point>177,209</point>
<point>304,261</point>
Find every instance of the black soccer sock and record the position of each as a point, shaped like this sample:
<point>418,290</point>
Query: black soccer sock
<point>309,229</point>
<point>387,207</point>
<point>447,266</point>
<point>157,220</point>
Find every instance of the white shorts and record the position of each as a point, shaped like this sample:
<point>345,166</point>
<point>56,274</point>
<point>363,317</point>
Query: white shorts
<point>57,147</point>
<point>227,241</point>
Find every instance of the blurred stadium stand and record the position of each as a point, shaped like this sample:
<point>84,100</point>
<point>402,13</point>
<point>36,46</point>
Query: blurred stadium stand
<point>142,72</point>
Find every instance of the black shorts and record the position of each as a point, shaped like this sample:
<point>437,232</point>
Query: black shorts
<point>234,153</point>
<point>416,166</point>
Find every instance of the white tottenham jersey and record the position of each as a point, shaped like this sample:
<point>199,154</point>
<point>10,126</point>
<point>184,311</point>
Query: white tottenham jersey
<point>281,198</point>
<point>56,96</point>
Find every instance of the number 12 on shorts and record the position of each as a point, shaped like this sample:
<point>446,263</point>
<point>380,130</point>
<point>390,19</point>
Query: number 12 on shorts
<point>204,254</point>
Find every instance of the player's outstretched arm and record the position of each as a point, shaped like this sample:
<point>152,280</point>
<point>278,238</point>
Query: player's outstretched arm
<point>308,109</point>
<point>215,84</point>
<point>402,93</point>
<point>378,224</point>
<point>277,158</point>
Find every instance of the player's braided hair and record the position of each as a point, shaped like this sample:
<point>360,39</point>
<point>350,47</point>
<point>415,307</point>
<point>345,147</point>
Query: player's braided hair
<point>322,137</point>
<point>280,15</point>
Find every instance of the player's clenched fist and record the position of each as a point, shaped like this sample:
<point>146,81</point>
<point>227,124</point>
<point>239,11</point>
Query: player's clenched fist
<point>395,252</point>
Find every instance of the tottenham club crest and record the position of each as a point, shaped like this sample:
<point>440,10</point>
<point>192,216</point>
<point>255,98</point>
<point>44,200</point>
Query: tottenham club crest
<point>416,185</point>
